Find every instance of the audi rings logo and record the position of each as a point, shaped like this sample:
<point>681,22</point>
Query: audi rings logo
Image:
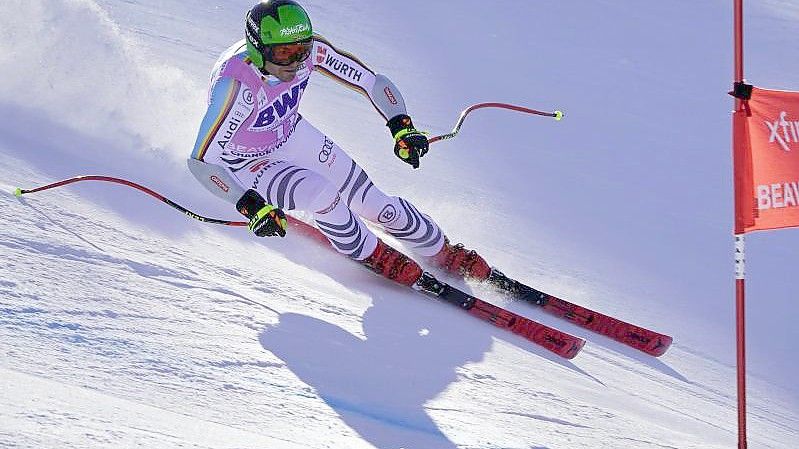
<point>327,150</point>
<point>387,215</point>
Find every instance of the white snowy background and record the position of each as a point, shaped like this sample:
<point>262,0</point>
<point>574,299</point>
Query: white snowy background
<point>125,324</point>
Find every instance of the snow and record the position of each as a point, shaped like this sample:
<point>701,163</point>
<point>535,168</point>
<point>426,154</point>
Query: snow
<point>123,324</point>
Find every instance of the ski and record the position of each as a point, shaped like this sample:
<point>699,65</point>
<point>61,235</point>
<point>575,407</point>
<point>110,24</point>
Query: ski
<point>642,339</point>
<point>561,343</point>
<point>558,342</point>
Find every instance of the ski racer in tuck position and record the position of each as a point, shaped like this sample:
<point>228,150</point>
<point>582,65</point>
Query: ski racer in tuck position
<point>253,135</point>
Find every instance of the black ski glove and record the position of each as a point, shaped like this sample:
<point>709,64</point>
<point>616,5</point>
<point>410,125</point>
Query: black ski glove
<point>265,219</point>
<point>409,144</point>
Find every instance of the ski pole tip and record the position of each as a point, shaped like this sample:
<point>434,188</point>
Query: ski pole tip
<point>17,192</point>
<point>558,115</point>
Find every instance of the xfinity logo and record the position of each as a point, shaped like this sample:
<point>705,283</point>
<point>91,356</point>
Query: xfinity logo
<point>296,29</point>
<point>783,131</point>
<point>279,108</point>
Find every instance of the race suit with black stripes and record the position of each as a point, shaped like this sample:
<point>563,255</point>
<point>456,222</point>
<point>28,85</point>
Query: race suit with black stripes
<point>253,130</point>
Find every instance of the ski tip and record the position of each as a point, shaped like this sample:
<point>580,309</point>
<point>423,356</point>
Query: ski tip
<point>661,345</point>
<point>571,349</point>
<point>17,192</point>
<point>558,115</point>
<point>578,346</point>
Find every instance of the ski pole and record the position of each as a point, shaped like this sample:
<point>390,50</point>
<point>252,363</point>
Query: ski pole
<point>557,115</point>
<point>304,227</point>
<point>19,192</point>
<point>299,225</point>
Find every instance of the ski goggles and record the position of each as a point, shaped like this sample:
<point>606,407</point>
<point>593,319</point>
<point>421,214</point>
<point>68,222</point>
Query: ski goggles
<point>287,54</point>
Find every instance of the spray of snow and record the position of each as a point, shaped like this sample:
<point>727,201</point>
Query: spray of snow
<point>77,69</point>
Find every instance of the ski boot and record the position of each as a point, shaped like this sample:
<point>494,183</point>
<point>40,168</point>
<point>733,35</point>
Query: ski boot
<point>393,265</point>
<point>467,263</point>
<point>458,260</point>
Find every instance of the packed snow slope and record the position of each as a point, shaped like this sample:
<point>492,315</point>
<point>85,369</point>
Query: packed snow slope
<point>125,324</point>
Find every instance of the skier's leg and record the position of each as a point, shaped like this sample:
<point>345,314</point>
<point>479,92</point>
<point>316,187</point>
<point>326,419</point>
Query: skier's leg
<point>398,216</point>
<point>292,187</point>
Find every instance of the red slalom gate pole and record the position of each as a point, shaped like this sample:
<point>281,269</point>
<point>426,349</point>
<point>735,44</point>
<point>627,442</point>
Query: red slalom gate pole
<point>740,332</point>
<point>740,257</point>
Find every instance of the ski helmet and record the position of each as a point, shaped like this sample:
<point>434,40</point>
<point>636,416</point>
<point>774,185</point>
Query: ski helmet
<point>272,22</point>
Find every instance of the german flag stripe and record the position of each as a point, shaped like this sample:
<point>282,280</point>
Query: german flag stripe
<point>232,90</point>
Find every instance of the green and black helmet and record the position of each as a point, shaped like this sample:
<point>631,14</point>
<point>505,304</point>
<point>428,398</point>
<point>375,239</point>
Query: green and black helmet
<point>273,23</point>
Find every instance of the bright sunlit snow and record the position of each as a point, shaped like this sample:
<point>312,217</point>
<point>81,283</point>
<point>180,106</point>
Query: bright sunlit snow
<point>125,324</point>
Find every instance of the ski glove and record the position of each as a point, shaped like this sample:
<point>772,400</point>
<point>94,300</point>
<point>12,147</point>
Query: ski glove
<point>409,144</point>
<point>265,219</point>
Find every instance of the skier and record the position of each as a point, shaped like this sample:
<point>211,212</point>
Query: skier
<point>253,135</point>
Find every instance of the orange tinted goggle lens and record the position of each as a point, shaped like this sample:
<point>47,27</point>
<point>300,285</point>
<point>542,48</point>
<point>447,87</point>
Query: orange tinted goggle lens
<point>285,54</point>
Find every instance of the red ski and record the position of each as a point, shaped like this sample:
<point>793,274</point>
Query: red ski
<point>642,339</point>
<point>561,343</point>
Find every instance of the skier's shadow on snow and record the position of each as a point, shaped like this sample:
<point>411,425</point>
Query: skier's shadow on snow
<point>379,385</point>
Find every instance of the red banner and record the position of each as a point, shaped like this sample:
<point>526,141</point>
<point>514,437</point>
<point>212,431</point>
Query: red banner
<point>766,159</point>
